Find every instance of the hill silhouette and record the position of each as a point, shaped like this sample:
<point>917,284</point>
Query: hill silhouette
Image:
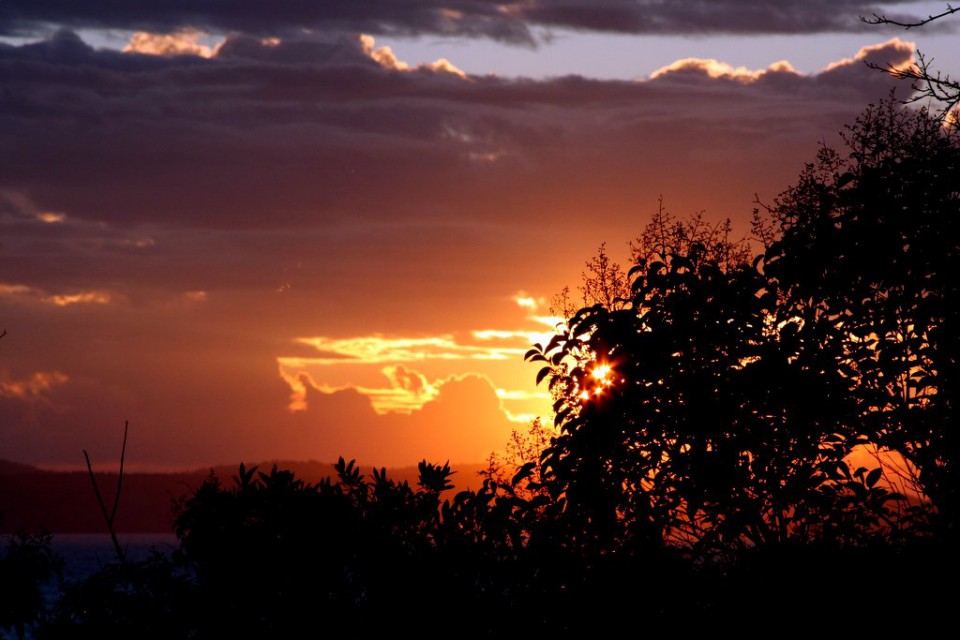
<point>64,501</point>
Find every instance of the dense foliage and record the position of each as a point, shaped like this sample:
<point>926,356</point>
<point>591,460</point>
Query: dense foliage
<point>713,410</point>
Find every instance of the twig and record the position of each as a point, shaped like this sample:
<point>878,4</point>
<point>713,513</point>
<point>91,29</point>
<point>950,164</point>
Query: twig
<point>109,517</point>
<point>882,19</point>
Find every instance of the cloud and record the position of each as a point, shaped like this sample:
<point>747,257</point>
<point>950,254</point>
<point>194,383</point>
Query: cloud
<point>404,17</point>
<point>170,44</point>
<point>26,294</point>
<point>31,388</point>
<point>893,54</point>
<point>715,69</point>
<point>408,389</point>
<point>320,135</point>
<point>510,21</point>
<point>690,17</point>
<point>377,349</point>
<point>385,57</point>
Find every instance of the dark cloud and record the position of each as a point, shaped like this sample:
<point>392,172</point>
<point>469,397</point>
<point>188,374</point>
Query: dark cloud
<point>214,209</point>
<point>281,17</point>
<point>309,168</point>
<point>301,135</point>
<point>505,21</point>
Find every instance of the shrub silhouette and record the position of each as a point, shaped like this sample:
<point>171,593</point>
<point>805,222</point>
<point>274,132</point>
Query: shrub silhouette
<point>27,566</point>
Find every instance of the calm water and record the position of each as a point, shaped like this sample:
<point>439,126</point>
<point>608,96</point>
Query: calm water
<point>86,553</point>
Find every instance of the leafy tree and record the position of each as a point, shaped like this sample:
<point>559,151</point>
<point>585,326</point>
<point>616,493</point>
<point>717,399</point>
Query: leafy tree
<point>717,405</point>
<point>605,283</point>
<point>871,243</point>
<point>667,235</point>
<point>690,417</point>
<point>519,466</point>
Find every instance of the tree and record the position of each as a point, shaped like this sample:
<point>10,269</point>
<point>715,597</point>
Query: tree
<point>927,82</point>
<point>717,405</point>
<point>692,417</point>
<point>871,242</point>
<point>604,281</point>
<point>667,235</point>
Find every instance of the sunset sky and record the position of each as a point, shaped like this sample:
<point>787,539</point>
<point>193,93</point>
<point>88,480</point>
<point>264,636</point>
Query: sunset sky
<point>301,229</point>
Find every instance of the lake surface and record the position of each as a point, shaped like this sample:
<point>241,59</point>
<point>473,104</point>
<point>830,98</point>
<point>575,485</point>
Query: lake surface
<point>86,553</point>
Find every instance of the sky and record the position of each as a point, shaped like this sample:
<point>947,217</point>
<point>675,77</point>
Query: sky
<point>300,229</point>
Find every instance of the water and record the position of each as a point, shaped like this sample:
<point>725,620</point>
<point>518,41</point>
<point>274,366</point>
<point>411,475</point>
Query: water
<point>86,553</point>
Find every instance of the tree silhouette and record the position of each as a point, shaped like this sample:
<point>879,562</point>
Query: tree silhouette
<point>871,243</point>
<point>716,407</point>
<point>692,417</point>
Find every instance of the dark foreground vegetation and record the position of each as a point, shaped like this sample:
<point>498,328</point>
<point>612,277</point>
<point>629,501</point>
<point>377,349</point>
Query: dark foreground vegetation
<point>758,441</point>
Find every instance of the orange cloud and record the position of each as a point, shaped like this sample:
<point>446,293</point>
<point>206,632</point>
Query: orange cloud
<point>408,390</point>
<point>33,387</point>
<point>51,217</point>
<point>179,43</point>
<point>716,69</point>
<point>880,54</point>
<point>378,348</point>
<point>338,366</point>
<point>86,297</point>
<point>386,58</point>
<point>24,293</point>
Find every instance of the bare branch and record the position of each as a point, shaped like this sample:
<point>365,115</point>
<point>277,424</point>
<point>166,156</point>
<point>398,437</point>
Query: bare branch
<point>882,19</point>
<point>926,83</point>
<point>109,517</point>
<point>123,453</point>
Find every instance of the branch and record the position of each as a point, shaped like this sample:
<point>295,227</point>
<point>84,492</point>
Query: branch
<point>926,83</point>
<point>882,19</point>
<point>123,454</point>
<point>109,517</point>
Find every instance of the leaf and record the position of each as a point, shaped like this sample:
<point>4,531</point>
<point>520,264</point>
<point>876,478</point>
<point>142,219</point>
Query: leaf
<point>525,471</point>
<point>554,342</point>
<point>845,179</point>
<point>873,477</point>
<point>543,373</point>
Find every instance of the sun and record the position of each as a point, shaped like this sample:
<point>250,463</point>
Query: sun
<point>600,379</point>
<point>601,374</point>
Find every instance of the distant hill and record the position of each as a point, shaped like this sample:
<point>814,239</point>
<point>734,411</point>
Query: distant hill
<point>7,467</point>
<point>64,501</point>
